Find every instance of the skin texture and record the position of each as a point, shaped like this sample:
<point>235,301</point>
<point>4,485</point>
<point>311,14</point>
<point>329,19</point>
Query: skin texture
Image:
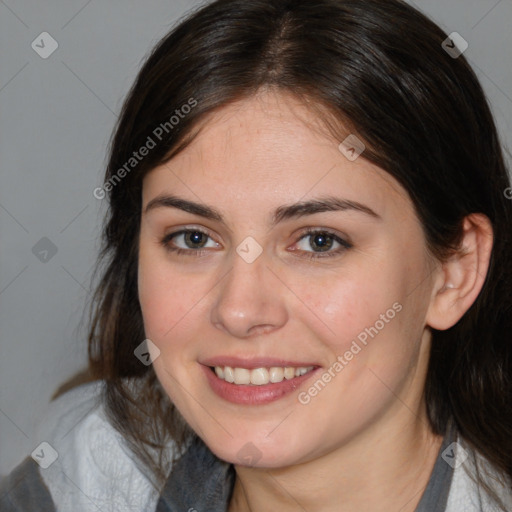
<point>363,442</point>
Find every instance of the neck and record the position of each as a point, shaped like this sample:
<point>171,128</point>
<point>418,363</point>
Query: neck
<point>386,467</point>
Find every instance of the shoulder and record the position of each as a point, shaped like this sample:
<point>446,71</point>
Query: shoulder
<point>83,463</point>
<point>24,490</point>
<point>465,494</point>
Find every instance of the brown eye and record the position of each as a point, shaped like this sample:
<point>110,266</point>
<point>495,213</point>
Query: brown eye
<point>195,239</point>
<point>189,241</point>
<point>322,241</point>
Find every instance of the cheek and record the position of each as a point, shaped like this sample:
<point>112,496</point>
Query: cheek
<point>370,323</point>
<point>350,305</point>
<point>165,297</point>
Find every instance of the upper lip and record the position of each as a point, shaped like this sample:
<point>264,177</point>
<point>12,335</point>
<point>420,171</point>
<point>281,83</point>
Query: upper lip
<point>256,362</point>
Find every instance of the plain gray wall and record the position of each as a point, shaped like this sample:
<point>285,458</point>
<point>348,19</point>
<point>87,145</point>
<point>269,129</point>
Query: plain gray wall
<point>56,116</point>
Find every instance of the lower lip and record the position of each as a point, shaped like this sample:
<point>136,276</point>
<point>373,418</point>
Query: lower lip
<point>254,395</point>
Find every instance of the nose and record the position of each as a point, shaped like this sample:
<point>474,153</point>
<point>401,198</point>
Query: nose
<point>250,300</point>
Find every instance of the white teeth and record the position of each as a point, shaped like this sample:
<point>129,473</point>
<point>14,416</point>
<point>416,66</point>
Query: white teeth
<point>259,376</point>
<point>242,376</point>
<point>276,374</point>
<point>229,375</point>
<point>289,373</point>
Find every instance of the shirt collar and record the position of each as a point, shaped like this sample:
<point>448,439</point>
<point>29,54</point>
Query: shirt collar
<point>198,481</point>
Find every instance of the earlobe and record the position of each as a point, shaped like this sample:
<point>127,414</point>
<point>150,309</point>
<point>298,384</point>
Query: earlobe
<point>461,278</point>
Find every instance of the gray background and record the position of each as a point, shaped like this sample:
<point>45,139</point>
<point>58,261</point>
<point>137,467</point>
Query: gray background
<point>56,117</point>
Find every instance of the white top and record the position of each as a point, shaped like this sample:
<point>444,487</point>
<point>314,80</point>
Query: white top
<point>93,465</point>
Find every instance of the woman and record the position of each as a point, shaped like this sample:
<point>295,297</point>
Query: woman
<point>305,299</point>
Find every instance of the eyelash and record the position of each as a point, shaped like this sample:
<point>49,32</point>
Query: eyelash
<point>308,232</point>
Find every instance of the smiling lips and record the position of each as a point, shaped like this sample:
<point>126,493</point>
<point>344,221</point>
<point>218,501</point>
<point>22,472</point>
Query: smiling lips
<point>255,381</point>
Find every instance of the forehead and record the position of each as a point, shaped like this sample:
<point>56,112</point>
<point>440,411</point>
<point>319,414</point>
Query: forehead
<point>270,149</point>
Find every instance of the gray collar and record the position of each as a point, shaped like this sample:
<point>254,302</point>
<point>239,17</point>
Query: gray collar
<point>198,481</point>
<point>435,496</point>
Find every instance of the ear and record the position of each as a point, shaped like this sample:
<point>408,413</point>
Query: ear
<point>460,279</point>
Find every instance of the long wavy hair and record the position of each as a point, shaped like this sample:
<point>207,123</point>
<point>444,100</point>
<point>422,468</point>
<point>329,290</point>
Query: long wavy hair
<point>377,68</point>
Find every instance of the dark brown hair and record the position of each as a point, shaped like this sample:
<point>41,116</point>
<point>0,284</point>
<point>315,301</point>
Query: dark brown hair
<point>378,68</point>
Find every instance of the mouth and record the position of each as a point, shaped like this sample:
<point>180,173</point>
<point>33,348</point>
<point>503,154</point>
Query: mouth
<point>255,382</point>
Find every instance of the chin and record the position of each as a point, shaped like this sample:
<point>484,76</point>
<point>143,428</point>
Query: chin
<point>257,451</point>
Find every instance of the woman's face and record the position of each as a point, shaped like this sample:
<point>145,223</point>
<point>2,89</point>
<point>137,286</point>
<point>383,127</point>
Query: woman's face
<point>252,290</point>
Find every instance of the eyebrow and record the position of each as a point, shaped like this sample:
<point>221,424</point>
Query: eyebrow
<point>282,213</point>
